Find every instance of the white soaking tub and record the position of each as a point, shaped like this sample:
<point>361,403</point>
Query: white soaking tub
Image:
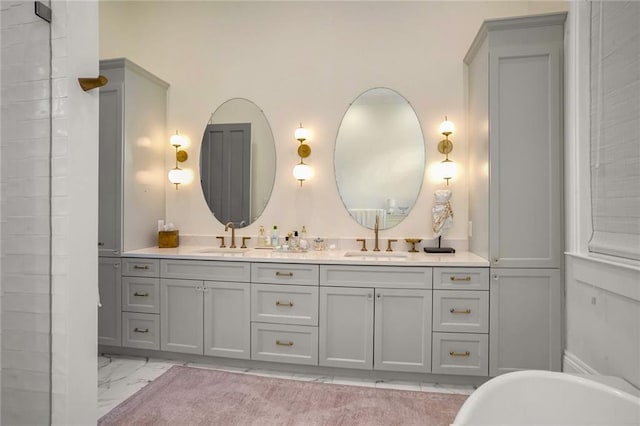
<point>549,398</point>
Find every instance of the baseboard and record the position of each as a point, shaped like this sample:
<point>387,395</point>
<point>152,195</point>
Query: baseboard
<point>572,364</point>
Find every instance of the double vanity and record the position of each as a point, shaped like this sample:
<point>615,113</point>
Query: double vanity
<point>402,312</point>
<point>465,315</point>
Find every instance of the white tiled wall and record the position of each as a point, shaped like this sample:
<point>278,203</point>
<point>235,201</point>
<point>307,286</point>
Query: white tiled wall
<point>24,195</point>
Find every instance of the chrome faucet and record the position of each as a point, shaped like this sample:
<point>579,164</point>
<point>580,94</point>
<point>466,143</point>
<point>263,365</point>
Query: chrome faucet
<point>233,233</point>
<point>375,230</point>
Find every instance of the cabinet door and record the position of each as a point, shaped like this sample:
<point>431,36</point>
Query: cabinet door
<point>525,320</point>
<point>526,156</point>
<point>227,318</point>
<point>110,171</point>
<point>346,327</point>
<point>181,316</point>
<point>402,330</point>
<point>110,293</point>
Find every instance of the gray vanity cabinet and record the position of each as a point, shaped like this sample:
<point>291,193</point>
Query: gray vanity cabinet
<point>375,317</point>
<point>110,295</point>
<point>132,142</point>
<point>205,307</point>
<point>515,116</point>
<point>181,316</point>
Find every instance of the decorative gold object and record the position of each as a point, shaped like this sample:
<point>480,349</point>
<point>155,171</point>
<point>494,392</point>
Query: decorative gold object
<point>413,242</point>
<point>92,83</point>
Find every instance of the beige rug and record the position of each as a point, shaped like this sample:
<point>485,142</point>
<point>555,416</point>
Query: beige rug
<point>194,396</point>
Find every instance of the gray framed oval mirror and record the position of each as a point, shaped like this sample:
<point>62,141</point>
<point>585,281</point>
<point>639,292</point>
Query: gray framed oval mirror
<point>237,162</point>
<point>379,158</point>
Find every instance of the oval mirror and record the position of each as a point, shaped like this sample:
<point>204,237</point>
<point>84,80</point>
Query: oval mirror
<point>379,158</point>
<point>237,162</point>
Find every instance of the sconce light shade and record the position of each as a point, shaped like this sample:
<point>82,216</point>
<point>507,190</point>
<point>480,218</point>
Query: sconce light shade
<point>178,176</point>
<point>177,140</point>
<point>446,127</point>
<point>447,170</point>
<point>302,172</point>
<point>301,134</point>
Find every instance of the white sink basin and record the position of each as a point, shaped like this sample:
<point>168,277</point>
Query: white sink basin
<point>219,250</point>
<point>376,254</point>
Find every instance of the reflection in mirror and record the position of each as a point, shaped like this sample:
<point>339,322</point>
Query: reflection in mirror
<point>237,162</point>
<point>379,158</point>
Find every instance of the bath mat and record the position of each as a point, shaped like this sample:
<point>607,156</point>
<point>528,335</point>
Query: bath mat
<point>194,396</point>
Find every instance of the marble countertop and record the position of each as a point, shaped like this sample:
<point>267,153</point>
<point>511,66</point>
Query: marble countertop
<point>343,257</point>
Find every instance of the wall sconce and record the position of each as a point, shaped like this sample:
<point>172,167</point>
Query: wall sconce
<point>302,171</point>
<point>177,175</point>
<point>447,168</point>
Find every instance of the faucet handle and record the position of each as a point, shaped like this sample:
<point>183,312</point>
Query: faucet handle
<point>389,244</point>
<point>244,242</point>
<point>364,243</point>
<point>221,241</point>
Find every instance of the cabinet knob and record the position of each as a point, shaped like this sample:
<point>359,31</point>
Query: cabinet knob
<point>465,353</point>
<point>378,296</point>
<point>496,260</point>
<point>460,311</point>
<point>284,343</point>
<point>284,274</point>
<point>495,277</point>
<point>116,265</point>
<point>141,330</point>
<point>141,294</point>
<point>287,304</point>
<point>369,296</point>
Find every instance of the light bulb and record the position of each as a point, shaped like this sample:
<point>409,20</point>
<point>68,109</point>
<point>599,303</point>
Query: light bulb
<point>177,140</point>
<point>302,171</point>
<point>447,169</point>
<point>447,127</point>
<point>178,176</point>
<point>301,133</point>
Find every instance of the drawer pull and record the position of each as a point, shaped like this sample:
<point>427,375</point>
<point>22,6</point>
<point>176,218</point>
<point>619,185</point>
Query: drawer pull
<point>284,343</point>
<point>465,353</point>
<point>467,278</point>
<point>288,304</point>
<point>145,267</point>
<point>284,274</point>
<point>459,311</point>
<point>141,330</point>
<point>141,294</point>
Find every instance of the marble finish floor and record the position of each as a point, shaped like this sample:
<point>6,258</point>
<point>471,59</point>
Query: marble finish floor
<point>119,377</point>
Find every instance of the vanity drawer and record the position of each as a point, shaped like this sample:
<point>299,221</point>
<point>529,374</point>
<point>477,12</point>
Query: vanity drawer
<point>460,353</point>
<point>296,344</point>
<point>141,330</point>
<point>140,267</point>
<point>461,311</point>
<point>291,304</point>
<point>210,270</point>
<point>461,278</point>
<point>284,273</point>
<point>140,294</point>
<point>376,276</point>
